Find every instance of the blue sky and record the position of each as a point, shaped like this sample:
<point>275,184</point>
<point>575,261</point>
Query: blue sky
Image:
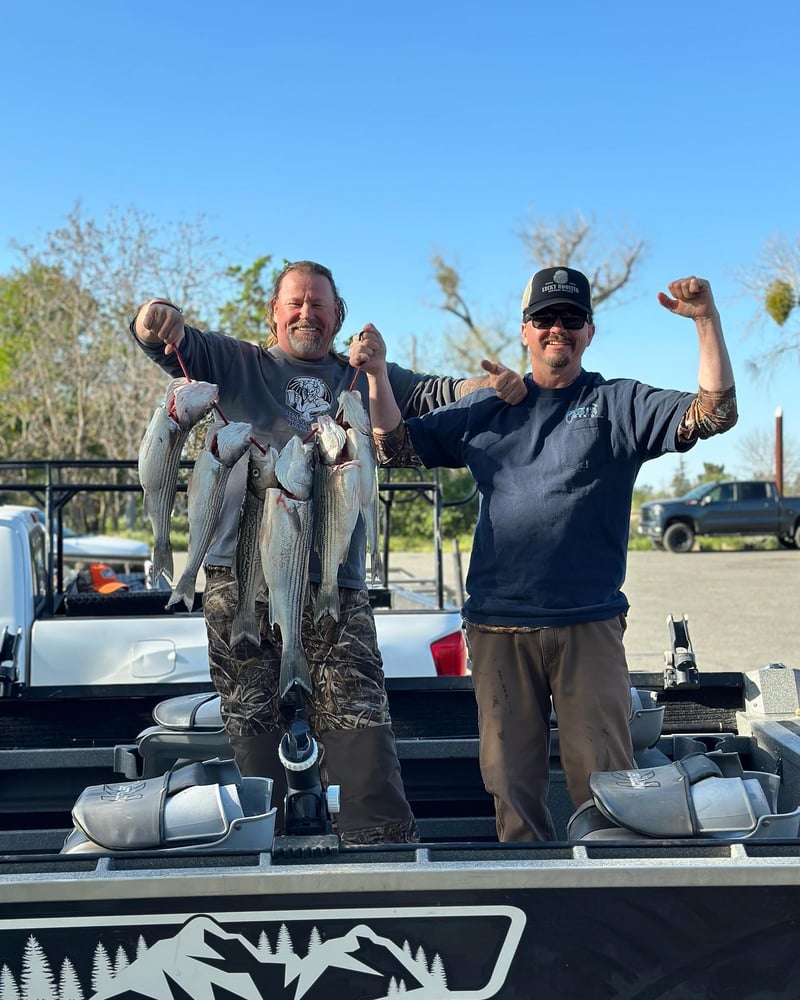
<point>371,136</point>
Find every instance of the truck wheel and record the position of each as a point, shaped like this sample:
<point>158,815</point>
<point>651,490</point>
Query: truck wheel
<point>679,537</point>
<point>797,537</point>
<point>787,542</point>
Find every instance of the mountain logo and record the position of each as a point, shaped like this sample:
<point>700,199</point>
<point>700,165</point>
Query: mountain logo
<point>428,953</point>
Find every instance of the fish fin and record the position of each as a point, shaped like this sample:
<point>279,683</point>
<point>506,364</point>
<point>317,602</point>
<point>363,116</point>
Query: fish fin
<point>294,670</point>
<point>245,626</point>
<point>183,591</point>
<point>376,565</point>
<point>327,602</point>
<point>162,562</point>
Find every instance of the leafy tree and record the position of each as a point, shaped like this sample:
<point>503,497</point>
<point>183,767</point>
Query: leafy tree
<point>712,472</point>
<point>412,510</point>
<point>641,494</point>
<point>610,261</point>
<point>244,316</point>
<point>73,384</point>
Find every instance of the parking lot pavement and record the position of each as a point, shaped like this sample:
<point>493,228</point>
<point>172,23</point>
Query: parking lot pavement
<point>743,608</point>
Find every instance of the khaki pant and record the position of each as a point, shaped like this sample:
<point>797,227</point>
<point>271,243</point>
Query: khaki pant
<point>348,709</point>
<point>514,674</point>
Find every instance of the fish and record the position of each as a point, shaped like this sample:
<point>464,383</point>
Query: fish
<point>249,573</point>
<point>294,468</point>
<point>339,508</point>
<point>287,526</point>
<point>331,439</point>
<point>360,447</point>
<point>184,405</point>
<point>224,446</point>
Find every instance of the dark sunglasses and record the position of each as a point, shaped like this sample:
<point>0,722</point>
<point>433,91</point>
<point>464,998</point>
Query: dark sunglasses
<point>544,320</point>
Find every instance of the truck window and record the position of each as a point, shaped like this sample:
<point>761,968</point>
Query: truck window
<point>752,491</point>
<point>38,564</point>
<point>721,494</point>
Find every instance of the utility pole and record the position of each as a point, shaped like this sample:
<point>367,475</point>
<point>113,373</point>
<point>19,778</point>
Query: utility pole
<point>779,450</point>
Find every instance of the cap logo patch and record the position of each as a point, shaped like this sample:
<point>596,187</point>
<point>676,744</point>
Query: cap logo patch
<point>561,287</point>
<point>560,276</point>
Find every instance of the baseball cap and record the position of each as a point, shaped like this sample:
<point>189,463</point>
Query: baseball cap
<point>102,578</point>
<point>557,286</point>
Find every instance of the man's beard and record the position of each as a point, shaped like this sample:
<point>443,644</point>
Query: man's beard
<point>307,341</point>
<point>558,360</point>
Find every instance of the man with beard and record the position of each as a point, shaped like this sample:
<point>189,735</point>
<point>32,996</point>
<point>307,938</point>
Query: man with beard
<point>282,389</point>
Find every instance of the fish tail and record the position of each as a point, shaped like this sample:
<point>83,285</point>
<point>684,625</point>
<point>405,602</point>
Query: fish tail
<point>376,565</point>
<point>183,591</point>
<point>162,561</point>
<point>327,602</point>
<point>294,670</point>
<point>245,626</point>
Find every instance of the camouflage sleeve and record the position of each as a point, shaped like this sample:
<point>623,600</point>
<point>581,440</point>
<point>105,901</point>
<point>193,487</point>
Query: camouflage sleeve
<point>395,448</point>
<point>709,413</point>
<point>469,385</point>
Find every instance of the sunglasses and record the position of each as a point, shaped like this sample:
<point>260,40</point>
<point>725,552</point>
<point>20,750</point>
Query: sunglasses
<point>544,320</point>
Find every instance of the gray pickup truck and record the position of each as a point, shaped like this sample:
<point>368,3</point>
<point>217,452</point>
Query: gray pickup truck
<point>742,507</point>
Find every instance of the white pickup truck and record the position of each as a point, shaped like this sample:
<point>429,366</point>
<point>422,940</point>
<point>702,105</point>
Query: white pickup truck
<point>61,644</point>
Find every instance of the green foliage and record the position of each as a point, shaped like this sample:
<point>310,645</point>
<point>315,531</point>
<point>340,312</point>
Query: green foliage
<point>642,494</point>
<point>779,300</point>
<point>243,316</point>
<point>711,473</point>
<point>412,510</point>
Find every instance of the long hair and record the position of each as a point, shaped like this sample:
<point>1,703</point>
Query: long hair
<point>305,267</point>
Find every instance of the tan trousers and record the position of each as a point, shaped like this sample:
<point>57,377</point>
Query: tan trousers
<point>514,675</point>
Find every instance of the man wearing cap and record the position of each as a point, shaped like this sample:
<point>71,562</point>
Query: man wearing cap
<point>282,389</point>
<point>545,615</point>
<point>100,578</point>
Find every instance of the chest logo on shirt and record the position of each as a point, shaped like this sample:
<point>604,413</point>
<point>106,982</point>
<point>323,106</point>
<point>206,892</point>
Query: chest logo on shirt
<point>308,397</point>
<point>582,413</point>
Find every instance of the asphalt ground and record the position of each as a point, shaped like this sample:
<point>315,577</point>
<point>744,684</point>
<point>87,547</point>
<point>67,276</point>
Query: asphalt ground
<point>742,608</point>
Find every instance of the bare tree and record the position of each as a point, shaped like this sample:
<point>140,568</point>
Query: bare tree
<point>484,340</point>
<point>774,281</point>
<point>81,388</point>
<point>757,451</point>
<point>73,384</point>
<point>610,262</point>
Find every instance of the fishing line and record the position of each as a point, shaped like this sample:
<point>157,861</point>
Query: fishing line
<point>222,416</point>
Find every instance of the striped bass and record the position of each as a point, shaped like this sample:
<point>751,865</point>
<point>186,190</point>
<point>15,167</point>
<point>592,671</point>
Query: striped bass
<point>224,446</point>
<point>339,503</point>
<point>185,404</point>
<point>360,447</point>
<point>249,574</point>
<point>285,545</point>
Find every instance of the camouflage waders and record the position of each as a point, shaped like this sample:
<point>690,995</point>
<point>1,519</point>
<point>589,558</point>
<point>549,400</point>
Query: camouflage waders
<point>348,709</point>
